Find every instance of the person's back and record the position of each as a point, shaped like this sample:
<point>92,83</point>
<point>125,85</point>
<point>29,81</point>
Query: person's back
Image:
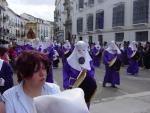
<point>6,73</point>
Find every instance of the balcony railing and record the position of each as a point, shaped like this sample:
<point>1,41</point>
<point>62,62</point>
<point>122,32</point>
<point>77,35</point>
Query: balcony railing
<point>68,22</point>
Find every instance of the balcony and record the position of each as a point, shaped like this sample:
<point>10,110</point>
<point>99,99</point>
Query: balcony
<point>118,27</point>
<point>68,22</point>
<point>100,1</point>
<point>140,24</point>
<point>80,9</point>
<point>98,30</point>
<point>89,32</point>
<point>91,5</point>
<point>80,33</point>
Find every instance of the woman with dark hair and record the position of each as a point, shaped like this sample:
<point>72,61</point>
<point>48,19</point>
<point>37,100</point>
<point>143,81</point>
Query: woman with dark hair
<point>31,68</point>
<point>4,54</point>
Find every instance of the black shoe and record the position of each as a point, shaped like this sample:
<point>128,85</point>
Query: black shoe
<point>113,86</point>
<point>104,84</point>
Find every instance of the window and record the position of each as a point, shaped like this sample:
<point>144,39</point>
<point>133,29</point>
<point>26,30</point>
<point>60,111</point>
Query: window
<point>100,1</point>
<point>90,2</point>
<point>118,15</point>
<point>79,25</point>
<point>90,40</point>
<point>140,11</point>
<point>90,22</point>
<point>99,20</point>
<point>80,38</point>
<point>142,36</point>
<point>119,37</point>
<point>100,39</point>
<point>81,3</point>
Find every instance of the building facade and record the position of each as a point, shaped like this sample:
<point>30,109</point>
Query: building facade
<point>59,21</point>
<point>63,20</point>
<point>40,27</point>
<point>3,19</point>
<point>12,26</point>
<point>50,29</point>
<point>106,20</point>
<point>16,26</point>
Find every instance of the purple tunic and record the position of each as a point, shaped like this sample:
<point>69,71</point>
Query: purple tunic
<point>59,50</point>
<point>88,84</point>
<point>124,56</point>
<point>111,76</point>
<point>28,47</point>
<point>96,55</point>
<point>18,50</point>
<point>64,58</point>
<point>50,50</point>
<point>133,67</point>
<point>65,53</point>
<point>70,75</point>
<point>50,76</point>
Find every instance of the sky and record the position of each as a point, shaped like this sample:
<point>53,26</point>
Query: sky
<point>39,8</point>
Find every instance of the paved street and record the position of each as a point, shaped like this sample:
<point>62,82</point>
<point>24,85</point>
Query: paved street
<point>130,86</point>
<point>130,103</point>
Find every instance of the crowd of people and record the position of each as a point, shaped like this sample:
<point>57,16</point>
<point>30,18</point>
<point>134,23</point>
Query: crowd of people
<point>33,63</point>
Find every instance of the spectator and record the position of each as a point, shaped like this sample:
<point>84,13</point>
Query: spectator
<point>31,68</point>
<point>4,54</point>
<point>6,73</point>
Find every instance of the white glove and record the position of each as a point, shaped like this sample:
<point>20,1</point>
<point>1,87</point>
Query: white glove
<point>2,82</point>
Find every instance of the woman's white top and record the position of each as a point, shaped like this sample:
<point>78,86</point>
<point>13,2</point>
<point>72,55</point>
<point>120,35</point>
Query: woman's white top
<point>16,101</point>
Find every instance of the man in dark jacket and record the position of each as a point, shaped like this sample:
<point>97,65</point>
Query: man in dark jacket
<point>6,72</point>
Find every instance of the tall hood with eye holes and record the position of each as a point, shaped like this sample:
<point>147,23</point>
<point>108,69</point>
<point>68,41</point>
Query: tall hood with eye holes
<point>73,58</point>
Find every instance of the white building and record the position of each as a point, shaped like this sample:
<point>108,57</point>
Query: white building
<point>3,19</point>
<point>12,26</point>
<point>43,30</point>
<point>29,17</point>
<point>106,20</point>
<point>50,29</point>
<point>44,27</point>
<point>59,19</point>
<point>16,25</point>
<point>63,20</point>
